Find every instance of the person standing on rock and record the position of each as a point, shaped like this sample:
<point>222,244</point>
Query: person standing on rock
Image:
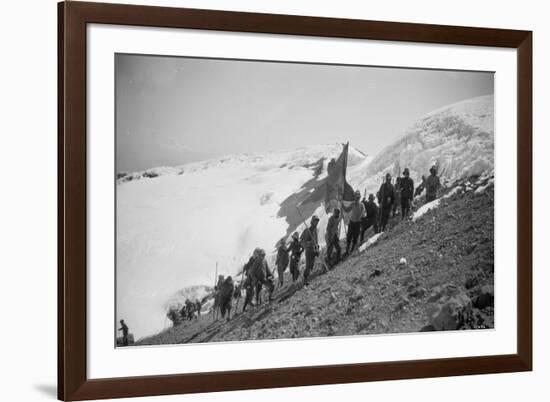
<point>407,193</point>
<point>190,309</point>
<point>247,282</point>
<point>250,263</point>
<point>387,199</point>
<point>420,187</point>
<point>198,307</point>
<point>332,238</point>
<point>173,316</point>
<point>248,292</point>
<point>432,185</point>
<point>357,212</point>
<point>261,276</point>
<point>184,312</point>
<point>226,294</point>
<point>282,261</point>
<point>216,295</point>
<point>379,199</point>
<point>296,250</point>
<point>311,246</point>
<point>125,331</point>
<point>371,217</point>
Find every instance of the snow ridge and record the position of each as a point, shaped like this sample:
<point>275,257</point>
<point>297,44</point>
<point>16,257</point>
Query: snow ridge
<point>458,138</point>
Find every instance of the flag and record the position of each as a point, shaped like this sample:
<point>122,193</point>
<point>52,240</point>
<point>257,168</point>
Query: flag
<point>332,191</point>
<point>338,189</point>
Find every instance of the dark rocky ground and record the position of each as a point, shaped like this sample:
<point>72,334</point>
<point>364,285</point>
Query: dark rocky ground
<point>446,283</point>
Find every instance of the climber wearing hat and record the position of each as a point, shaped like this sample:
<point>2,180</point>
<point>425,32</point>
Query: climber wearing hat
<point>282,260</point>
<point>296,250</point>
<point>332,238</point>
<point>371,218</point>
<point>310,243</point>
<point>357,212</point>
<point>387,199</point>
<point>432,185</point>
<point>407,193</point>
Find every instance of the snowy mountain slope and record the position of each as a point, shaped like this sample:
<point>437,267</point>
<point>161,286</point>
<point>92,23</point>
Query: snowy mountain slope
<point>174,224</point>
<point>459,138</point>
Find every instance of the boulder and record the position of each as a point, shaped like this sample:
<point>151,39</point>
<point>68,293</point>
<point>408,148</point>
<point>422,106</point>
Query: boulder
<point>332,297</point>
<point>355,298</point>
<point>471,281</point>
<point>438,292</point>
<point>407,279</point>
<point>375,273</point>
<point>417,293</point>
<point>486,297</point>
<point>307,311</point>
<point>449,311</point>
<point>403,302</point>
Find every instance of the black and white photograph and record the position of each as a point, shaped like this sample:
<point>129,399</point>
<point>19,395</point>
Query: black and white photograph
<point>261,200</point>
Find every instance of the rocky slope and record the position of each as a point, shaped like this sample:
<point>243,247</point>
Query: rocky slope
<point>445,283</point>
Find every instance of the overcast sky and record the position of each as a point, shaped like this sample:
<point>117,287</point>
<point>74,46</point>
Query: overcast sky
<point>172,110</point>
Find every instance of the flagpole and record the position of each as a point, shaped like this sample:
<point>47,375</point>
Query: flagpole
<point>341,196</point>
<point>215,293</point>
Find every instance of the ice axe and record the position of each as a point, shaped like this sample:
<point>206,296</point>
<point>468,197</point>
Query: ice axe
<point>214,309</point>
<point>341,205</point>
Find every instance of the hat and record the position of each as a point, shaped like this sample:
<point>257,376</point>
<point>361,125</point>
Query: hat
<point>357,192</point>
<point>295,235</point>
<point>433,169</point>
<point>371,196</point>
<point>336,210</point>
<point>314,218</point>
<point>406,171</point>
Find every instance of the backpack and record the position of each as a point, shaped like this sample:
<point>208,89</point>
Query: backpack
<point>257,272</point>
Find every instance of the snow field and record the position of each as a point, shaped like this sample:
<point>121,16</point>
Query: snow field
<point>172,229</point>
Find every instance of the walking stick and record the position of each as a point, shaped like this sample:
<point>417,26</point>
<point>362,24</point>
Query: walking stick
<point>311,236</point>
<point>215,310</point>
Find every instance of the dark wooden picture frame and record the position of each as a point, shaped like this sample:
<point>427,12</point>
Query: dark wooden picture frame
<point>73,383</point>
